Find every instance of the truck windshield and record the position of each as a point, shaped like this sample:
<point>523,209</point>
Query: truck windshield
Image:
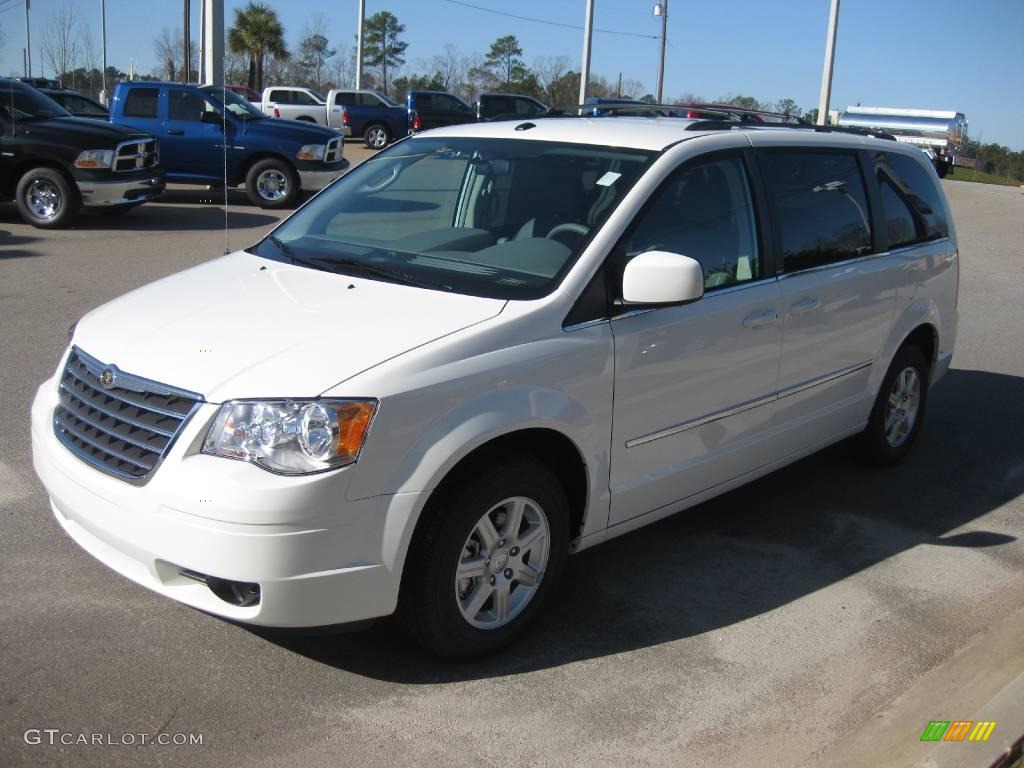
<point>500,218</point>
<point>235,104</point>
<point>20,102</point>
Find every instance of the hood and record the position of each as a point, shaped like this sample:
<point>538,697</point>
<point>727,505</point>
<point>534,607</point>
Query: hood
<point>243,327</point>
<point>67,130</point>
<point>288,130</point>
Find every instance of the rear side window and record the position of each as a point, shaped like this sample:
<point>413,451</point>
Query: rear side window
<point>345,99</point>
<point>141,102</point>
<point>705,212</point>
<point>820,205</point>
<point>281,97</point>
<point>913,207</point>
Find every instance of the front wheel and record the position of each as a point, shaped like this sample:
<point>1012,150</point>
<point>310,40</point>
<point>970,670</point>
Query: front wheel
<point>485,559</point>
<point>377,136</point>
<point>899,409</point>
<point>45,199</point>
<point>272,183</point>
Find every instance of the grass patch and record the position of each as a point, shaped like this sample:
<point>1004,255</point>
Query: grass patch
<point>969,174</point>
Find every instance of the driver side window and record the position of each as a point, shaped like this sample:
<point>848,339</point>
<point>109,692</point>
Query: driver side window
<point>704,211</point>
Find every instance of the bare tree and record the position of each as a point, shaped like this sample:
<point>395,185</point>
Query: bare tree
<point>89,61</point>
<point>343,67</point>
<point>450,67</point>
<point>167,50</point>
<point>632,89</point>
<point>60,41</point>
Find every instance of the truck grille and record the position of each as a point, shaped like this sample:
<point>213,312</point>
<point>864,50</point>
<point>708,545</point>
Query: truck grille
<point>136,154</point>
<point>119,423</point>
<point>333,153</point>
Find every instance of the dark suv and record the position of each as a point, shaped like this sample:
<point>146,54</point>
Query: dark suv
<point>52,164</point>
<point>433,109</point>
<point>508,106</point>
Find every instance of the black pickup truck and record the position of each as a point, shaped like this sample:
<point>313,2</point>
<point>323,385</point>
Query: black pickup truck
<point>52,164</point>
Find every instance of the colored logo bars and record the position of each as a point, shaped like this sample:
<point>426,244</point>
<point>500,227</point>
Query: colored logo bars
<point>958,730</point>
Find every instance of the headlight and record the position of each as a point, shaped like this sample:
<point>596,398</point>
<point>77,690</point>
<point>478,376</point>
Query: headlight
<point>95,158</point>
<point>312,152</point>
<point>291,437</point>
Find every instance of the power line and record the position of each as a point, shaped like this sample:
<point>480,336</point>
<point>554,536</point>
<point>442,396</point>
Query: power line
<point>548,22</point>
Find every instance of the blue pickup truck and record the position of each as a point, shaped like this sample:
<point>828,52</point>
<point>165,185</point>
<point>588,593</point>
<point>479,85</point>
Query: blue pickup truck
<point>211,136</point>
<point>371,115</point>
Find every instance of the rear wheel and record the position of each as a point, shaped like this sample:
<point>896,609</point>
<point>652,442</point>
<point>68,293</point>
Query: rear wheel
<point>899,409</point>
<point>485,559</point>
<point>271,183</point>
<point>45,198</point>
<point>377,136</point>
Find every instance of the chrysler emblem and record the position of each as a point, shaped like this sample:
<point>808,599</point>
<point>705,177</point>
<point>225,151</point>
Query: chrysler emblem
<point>107,378</point>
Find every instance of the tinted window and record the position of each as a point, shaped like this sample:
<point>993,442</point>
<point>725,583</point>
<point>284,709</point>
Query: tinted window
<point>821,207</point>
<point>186,105</point>
<point>913,207</point>
<point>369,100</point>
<point>345,99</point>
<point>79,106</point>
<point>444,103</point>
<point>281,97</point>
<point>301,97</point>
<point>141,102</point>
<point>704,212</point>
<point>528,107</point>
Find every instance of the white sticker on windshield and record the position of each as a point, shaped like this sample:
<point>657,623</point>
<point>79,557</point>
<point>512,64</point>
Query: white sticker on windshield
<point>608,179</point>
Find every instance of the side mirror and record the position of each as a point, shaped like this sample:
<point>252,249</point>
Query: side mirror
<point>661,277</point>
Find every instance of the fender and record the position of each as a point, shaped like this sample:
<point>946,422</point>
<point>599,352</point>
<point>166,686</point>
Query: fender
<point>923,311</point>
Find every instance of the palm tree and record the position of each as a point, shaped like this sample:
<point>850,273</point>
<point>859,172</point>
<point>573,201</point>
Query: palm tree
<point>257,33</point>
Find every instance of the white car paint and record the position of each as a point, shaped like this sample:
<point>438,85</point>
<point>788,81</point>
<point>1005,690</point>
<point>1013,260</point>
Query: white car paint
<point>453,372</point>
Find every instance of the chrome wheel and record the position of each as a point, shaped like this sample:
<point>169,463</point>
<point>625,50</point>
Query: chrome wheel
<point>376,137</point>
<point>272,185</point>
<point>502,563</point>
<point>43,198</point>
<point>902,407</point>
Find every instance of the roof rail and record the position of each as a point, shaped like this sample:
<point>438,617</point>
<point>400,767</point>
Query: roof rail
<point>720,112</point>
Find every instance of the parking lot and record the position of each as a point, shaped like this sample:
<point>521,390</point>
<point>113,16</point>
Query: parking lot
<point>820,616</point>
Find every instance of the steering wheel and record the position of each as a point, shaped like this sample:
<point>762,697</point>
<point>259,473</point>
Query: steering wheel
<point>570,227</point>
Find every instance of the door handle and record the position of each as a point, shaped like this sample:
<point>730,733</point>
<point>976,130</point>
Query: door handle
<point>760,318</point>
<point>804,305</point>
<point>176,132</point>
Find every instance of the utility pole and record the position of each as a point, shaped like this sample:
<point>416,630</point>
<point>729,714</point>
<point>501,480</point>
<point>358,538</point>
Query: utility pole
<point>28,40</point>
<point>213,42</point>
<point>103,44</point>
<point>187,40</point>
<point>359,45</point>
<point>588,36</point>
<point>662,10</point>
<point>830,55</point>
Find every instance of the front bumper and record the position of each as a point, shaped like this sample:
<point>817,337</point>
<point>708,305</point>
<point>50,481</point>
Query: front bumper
<point>103,194</point>
<point>314,181</point>
<point>318,558</point>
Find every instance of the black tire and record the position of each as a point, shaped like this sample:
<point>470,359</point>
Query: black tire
<point>377,136</point>
<point>272,183</point>
<point>45,199</point>
<point>874,444</point>
<point>429,608</point>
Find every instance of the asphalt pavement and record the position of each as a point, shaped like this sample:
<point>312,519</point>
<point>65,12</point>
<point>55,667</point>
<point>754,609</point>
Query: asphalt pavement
<point>819,616</point>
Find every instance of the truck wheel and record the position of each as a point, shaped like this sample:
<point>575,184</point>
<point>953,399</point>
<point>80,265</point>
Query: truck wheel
<point>484,560</point>
<point>45,199</point>
<point>377,136</point>
<point>271,183</point>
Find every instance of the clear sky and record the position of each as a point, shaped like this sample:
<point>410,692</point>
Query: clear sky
<point>928,54</point>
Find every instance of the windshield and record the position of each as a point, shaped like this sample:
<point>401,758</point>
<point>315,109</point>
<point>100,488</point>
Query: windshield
<point>500,218</point>
<point>237,105</point>
<point>20,102</point>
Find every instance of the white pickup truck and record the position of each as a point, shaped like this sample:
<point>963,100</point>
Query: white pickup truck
<point>300,104</point>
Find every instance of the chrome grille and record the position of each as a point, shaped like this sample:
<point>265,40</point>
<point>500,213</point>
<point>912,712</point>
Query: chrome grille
<point>333,153</point>
<point>124,428</point>
<point>136,154</point>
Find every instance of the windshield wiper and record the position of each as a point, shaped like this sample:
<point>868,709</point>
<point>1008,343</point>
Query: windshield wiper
<point>354,265</point>
<point>387,273</point>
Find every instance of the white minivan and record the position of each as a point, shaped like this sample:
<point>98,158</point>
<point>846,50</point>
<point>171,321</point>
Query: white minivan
<point>492,345</point>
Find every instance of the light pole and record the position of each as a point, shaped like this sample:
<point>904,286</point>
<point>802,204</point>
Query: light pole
<point>661,9</point>
<point>103,45</point>
<point>588,35</point>
<point>28,40</point>
<point>830,55</point>
<point>359,45</point>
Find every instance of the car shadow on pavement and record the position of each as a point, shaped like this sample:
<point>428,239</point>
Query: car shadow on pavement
<point>748,552</point>
<point>7,240</point>
<point>159,217</point>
